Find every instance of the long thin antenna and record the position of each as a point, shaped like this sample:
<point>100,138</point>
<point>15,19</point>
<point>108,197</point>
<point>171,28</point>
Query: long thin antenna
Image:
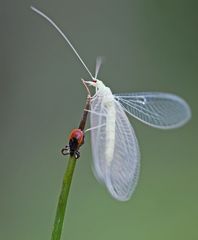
<point>63,35</point>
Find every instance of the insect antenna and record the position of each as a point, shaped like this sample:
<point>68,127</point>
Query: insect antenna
<point>99,61</point>
<point>63,35</point>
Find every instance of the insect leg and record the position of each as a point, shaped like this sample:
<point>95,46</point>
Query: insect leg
<point>66,150</point>
<point>96,113</point>
<point>96,127</point>
<point>76,154</point>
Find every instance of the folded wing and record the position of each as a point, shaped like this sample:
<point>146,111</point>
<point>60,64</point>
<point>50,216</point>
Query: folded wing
<point>120,175</point>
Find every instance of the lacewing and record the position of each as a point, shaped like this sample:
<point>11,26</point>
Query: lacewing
<point>116,155</point>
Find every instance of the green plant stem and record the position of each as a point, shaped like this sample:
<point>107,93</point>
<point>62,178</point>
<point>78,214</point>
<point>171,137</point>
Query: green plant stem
<point>62,202</point>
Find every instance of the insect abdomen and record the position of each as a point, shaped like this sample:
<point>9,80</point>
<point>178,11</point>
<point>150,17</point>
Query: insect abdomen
<point>110,127</point>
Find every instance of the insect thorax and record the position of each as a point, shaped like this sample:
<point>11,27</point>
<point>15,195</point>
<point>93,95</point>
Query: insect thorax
<point>108,98</point>
<point>104,92</point>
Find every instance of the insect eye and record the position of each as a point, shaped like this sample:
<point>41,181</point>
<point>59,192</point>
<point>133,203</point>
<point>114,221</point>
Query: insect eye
<point>94,81</point>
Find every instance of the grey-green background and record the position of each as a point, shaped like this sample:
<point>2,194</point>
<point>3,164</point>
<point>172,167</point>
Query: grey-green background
<point>149,46</point>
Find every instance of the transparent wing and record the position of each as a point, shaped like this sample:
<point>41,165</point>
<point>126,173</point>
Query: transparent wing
<point>98,121</point>
<point>119,174</point>
<point>161,110</point>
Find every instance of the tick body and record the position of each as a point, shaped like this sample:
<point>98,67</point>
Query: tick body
<point>76,139</point>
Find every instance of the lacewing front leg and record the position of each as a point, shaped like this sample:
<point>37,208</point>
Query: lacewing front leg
<point>77,136</point>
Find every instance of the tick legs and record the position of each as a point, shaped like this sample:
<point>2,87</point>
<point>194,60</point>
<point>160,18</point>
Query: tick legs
<point>66,151</point>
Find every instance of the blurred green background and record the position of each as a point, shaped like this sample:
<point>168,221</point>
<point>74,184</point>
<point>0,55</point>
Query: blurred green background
<point>149,46</point>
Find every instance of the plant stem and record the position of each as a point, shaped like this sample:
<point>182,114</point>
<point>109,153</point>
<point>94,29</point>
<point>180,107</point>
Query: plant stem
<point>62,202</point>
